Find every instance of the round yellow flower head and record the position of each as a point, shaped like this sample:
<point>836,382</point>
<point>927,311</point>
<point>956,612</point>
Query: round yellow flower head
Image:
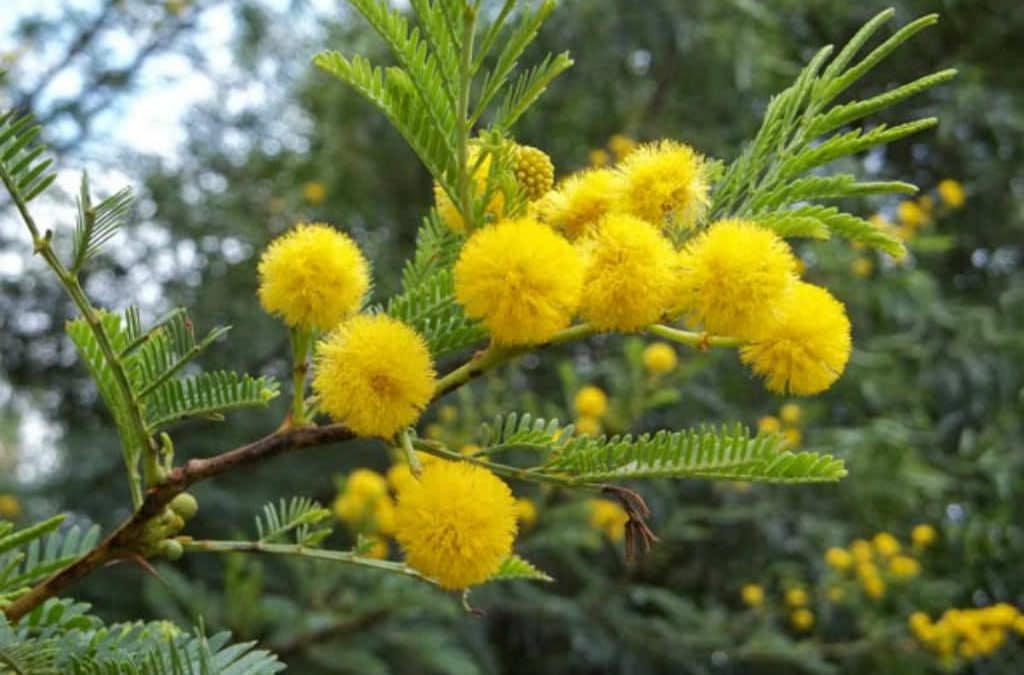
<point>873,587</point>
<point>802,619</point>
<point>753,595</point>
<point>351,509</point>
<point>526,511</point>
<point>609,517</point>
<point>923,535</point>
<point>806,348</point>
<point>791,413</point>
<point>521,279</point>
<point>794,437</point>
<point>862,551</point>
<point>534,171</point>
<point>599,158</point>
<point>862,267</point>
<point>904,567</point>
<point>591,402</point>
<point>796,597</point>
<point>769,424</point>
<point>587,426</point>
<point>886,544</point>
<point>366,483</point>
<point>400,476</point>
<point>911,214</point>
<point>952,193</point>
<point>384,516</point>
<point>734,276</point>
<point>664,183</point>
<point>378,548</point>
<point>10,507</point>
<point>580,201</point>
<point>836,594</point>
<point>456,524</point>
<point>660,358</point>
<point>449,212</point>
<point>629,274</point>
<point>838,558</point>
<point>374,374</point>
<point>314,192</point>
<point>313,277</point>
<point>622,145</point>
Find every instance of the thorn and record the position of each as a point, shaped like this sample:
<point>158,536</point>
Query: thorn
<point>144,564</point>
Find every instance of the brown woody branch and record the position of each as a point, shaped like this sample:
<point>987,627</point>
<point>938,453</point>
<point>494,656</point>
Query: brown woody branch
<point>124,542</point>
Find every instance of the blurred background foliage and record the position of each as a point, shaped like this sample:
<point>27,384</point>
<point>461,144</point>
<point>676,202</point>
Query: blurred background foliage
<point>927,417</point>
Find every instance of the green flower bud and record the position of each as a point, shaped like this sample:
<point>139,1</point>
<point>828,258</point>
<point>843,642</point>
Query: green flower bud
<point>185,505</point>
<point>170,549</point>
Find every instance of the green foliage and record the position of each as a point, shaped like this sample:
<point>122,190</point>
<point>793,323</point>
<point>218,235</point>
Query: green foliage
<point>153,358</point>
<point>771,173</point>
<point>96,225</point>
<point>26,558</point>
<point>726,454</point>
<point>60,638</point>
<point>300,516</point>
<point>514,567</point>
<point>23,170</point>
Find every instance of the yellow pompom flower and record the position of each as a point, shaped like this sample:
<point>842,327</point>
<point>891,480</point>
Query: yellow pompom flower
<point>526,512</point>
<point>314,192</point>
<point>664,184</point>
<point>802,619</point>
<point>534,171</point>
<point>400,477</point>
<point>904,567</point>
<point>911,214</point>
<point>862,267</point>
<point>838,559</point>
<point>836,594</point>
<point>873,587</point>
<point>753,595</point>
<point>862,551</point>
<point>629,275</point>
<point>794,437</point>
<point>622,146</point>
<point>952,193</point>
<point>521,279</point>
<point>449,212</point>
<point>796,597</point>
<point>660,358</point>
<point>791,413</point>
<point>350,509</point>
<point>599,158</point>
<point>805,349</point>
<point>456,524</point>
<point>734,275</point>
<point>587,426</point>
<point>313,277</point>
<point>384,516</point>
<point>375,374</point>
<point>609,517</point>
<point>580,202</point>
<point>591,401</point>
<point>769,424</point>
<point>923,535</point>
<point>886,544</point>
<point>366,484</point>
<point>377,548</point>
<point>10,507</point>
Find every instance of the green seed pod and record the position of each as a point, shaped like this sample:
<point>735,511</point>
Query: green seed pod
<point>170,549</point>
<point>185,505</point>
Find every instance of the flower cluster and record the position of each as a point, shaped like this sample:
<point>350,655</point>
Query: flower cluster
<point>967,634</point>
<point>591,405</point>
<point>875,565</point>
<point>608,517</point>
<point>367,507</point>
<point>789,422</point>
<point>660,358</point>
<point>599,247</point>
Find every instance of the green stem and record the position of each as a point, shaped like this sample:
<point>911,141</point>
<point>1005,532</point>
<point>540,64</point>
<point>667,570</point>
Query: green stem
<point>701,341</point>
<point>513,472</point>
<point>297,550</point>
<point>301,341</point>
<point>496,355</point>
<point>462,116</point>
